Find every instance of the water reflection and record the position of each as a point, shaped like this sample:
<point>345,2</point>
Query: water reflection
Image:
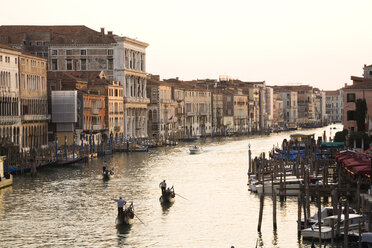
<point>122,233</point>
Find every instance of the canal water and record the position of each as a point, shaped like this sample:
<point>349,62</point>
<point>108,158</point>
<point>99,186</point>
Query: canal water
<point>71,206</point>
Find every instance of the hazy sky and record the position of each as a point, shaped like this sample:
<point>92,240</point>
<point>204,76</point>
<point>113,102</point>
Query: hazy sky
<point>321,43</point>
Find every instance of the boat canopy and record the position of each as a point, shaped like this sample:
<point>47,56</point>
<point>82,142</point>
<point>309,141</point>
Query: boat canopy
<point>333,144</point>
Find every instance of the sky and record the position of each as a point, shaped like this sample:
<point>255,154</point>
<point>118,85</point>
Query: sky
<point>320,43</point>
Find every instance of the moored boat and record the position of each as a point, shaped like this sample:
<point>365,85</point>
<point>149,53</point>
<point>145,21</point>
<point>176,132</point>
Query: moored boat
<point>292,186</point>
<point>5,179</point>
<point>127,217</point>
<point>330,223</point>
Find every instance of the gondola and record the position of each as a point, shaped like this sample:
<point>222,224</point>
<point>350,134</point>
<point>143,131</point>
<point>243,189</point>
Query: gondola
<point>107,173</point>
<point>168,196</point>
<point>127,217</point>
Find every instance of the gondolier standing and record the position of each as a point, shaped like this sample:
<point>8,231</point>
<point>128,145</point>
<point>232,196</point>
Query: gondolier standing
<point>104,166</point>
<point>121,204</point>
<point>163,186</point>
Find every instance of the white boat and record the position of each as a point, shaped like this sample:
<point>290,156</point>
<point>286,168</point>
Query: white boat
<point>326,227</point>
<point>194,149</point>
<point>292,186</point>
<point>324,213</point>
<point>252,181</point>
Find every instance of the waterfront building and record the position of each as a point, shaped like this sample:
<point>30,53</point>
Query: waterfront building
<point>334,105</point>
<point>34,101</point>
<point>360,89</point>
<point>217,112</point>
<point>91,117</point>
<point>130,68</point>
<point>161,110</point>
<point>240,111</point>
<point>278,111</point>
<point>79,48</point>
<point>10,119</point>
<point>290,109</point>
<point>321,117</point>
<point>179,104</point>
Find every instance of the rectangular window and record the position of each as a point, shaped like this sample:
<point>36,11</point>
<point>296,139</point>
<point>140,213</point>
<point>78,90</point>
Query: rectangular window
<point>22,61</point>
<point>45,55</point>
<point>110,64</point>
<point>54,65</point>
<point>40,55</point>
<point>83,52</point>
<point>68,52</point>
<point>350,97</point>
<point>15,60</point>
<point>54,52</point>
<point>69,64</point>
<point>23,80</point>
<point>1,58</point>
<point>83,64</point>
<point>110,52</point>
<point>351,115</point>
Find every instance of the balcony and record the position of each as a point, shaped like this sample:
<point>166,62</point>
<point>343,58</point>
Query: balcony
<point>136,100</point>
<point>95,111</point>
<point>9,119</point>
<point>165,101</point>
<point>96,127</point>
<point>35,117</point>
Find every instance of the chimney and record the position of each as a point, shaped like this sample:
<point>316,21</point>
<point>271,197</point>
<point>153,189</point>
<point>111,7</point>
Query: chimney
<point>109,33</point>
<point>345,84</point>
<point>102,32</point>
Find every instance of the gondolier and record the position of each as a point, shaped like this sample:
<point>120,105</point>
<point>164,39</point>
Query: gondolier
<point>163,186</point>
<point>121,204</point>
<point>104,166</point>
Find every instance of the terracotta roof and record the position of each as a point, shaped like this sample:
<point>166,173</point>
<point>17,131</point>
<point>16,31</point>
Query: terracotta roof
<point>359,83</point>
<point>57,34</point>
<point>332,92</point>
<point>3,46</point>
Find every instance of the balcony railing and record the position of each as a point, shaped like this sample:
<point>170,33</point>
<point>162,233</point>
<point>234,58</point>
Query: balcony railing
<point>35,117</point>
<point>136,100</point>
<point>95,111</point>
<point>96,127</point>
<point>9,119</point>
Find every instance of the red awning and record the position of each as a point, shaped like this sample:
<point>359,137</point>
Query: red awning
<point>362,170</point>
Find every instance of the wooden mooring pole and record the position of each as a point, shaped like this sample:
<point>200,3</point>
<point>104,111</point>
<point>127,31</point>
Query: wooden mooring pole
<point>261,213</point>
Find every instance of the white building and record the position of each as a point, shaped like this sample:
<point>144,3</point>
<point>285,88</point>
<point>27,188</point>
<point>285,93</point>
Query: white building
<point>10,119</point>
<point>334,105</point>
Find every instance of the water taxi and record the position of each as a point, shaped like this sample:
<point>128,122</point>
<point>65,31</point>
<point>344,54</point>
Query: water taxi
<point>194,149</point>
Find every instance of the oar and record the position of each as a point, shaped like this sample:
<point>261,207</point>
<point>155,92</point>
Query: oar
<point>139,219</point>
<point>181,196</point>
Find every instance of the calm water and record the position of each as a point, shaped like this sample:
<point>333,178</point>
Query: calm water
<point>71,206</point>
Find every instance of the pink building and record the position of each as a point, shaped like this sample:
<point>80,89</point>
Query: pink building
<point>361,88</point>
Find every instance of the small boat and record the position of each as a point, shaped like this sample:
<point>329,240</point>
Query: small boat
<point>6,179</point>
<point>292,186</point>
<point>107,173</point>
<point>252,181</point>
<point>189,139</point>
<point>324,213</point>
<point>194,150</point>
<point>327,226</point>
<point>168,196</point>
<point>127,217</point>
<point>366,240</point>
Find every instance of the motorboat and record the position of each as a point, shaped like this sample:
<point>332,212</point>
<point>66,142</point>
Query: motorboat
<point>367,240</point>
<point>127,217</point>
<point>324,213</point>
<point>168,196</point>
<point>194,149</point>
<point>329,223</point>
<point>292,186</point>
<point>252,181</point>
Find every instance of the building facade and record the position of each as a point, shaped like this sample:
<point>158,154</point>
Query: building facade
<point>34,101</point>
<point>334,106</point>
<point>10,119</point>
